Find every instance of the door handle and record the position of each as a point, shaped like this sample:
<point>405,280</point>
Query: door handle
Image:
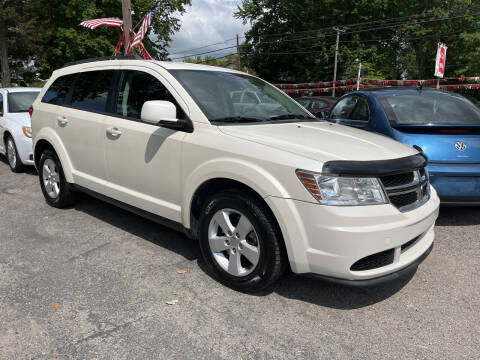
<point>62,121</point>
<point>114,131</point>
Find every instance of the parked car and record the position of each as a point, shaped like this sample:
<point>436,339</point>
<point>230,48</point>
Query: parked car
<point>319,106</point>
<point>15,129</point>
<point>445,125</point>
<point>164,139</point>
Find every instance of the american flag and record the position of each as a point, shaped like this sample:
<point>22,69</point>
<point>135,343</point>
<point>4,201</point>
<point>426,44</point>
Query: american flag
<point>93,24</point>
<point>147,20</point>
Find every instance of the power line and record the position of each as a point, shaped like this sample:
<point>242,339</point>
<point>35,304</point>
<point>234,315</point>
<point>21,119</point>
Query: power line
<point>207,52</point>
<point>202,47</point>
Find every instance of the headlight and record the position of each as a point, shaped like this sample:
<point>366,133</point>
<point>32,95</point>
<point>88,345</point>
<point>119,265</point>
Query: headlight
<point>333,190</point>
<point>27,131</point>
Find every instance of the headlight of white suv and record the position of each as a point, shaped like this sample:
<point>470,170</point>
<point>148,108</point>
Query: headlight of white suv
<point>333,190</point>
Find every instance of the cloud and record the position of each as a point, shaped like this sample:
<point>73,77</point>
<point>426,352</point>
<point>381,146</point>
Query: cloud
<point>208,22</point>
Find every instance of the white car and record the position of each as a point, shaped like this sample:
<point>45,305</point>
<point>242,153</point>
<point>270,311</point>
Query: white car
<point>260,191</point>
<point>15,130</point>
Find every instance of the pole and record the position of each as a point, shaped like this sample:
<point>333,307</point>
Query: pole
<point>359,74</point>
<point>438,83</point>
<point>127,22</point>
<point>338,30</point>
<point>238,54</point>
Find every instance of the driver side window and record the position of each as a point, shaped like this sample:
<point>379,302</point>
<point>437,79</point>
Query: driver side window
<point>136,88</point>
<point>1,105</point>
<point>352,108</point>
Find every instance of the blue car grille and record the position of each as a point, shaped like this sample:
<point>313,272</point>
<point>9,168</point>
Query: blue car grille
<point>408,190</point>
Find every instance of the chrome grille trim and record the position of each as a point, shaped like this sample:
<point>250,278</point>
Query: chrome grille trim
<point>419,186</point>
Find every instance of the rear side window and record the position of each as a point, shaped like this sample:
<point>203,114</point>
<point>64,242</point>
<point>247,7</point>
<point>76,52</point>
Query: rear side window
<point>58,91</point>
<point>137,87</point>
<point>91,90</point>
<point>1,105</point>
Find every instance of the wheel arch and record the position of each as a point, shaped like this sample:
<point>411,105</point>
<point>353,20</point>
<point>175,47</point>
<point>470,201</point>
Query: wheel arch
<point>49,140</point>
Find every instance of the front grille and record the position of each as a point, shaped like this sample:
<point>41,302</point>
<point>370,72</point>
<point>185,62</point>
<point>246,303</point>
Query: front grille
<point>397,180</point>
<point>412,242</point>
<point>402,200</point>
<point>407,191</point>
<point>374,261</point>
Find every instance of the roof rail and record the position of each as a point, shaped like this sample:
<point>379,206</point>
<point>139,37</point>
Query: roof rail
<point>105,58</point>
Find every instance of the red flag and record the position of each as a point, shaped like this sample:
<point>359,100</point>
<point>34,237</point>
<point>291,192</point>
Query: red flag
<point>120,44</point>
<point>144,52</point>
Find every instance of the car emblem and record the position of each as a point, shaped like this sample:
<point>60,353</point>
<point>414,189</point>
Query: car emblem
<point>460,146</point>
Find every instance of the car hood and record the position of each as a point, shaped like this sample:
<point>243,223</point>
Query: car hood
<point>321,141</point>
<point>21,118</point>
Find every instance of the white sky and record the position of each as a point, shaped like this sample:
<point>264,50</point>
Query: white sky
<point>207,22</point>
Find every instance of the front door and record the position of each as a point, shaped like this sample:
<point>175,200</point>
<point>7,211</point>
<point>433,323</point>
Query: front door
<point>143,160</point>
<point>2,124</point>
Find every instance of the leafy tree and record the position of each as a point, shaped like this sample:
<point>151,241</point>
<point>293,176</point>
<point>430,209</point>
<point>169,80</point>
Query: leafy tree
<point>65,41</point>
<point>282,43</point>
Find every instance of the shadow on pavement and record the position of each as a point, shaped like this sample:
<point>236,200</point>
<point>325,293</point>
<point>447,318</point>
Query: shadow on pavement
<point>458,216</point>
<point>29,170</point>
<point>139,226</point>
<point>291,286</point>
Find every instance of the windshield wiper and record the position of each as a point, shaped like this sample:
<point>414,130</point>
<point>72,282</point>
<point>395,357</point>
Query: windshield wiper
<point>291,117</point>
<point>237,119</point>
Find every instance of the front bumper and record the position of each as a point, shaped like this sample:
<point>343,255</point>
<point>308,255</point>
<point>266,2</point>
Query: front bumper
<point>328,240</point>
<point>456,183</point>
<point>24,148</point>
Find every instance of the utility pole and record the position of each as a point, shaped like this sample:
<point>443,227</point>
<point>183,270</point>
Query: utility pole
<point>238,54</point>
<point>359,73</point>
<point>338,30</point>
<point>127,22</point>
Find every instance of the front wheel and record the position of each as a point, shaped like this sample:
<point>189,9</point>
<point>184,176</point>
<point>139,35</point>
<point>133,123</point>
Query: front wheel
<point>56,190</point>
<point>240,241</point>
<point>14,160</point>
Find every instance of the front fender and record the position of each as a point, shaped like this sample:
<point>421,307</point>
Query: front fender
<point>53,139</point>
<point>245,172</point>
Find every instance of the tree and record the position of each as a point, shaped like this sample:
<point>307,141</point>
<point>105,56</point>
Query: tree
<point>284,45</point>
<point>17,36</point>
<point>47,32</point>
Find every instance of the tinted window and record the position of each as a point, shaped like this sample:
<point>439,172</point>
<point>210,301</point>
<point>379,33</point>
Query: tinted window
<point>1,105</point>
<point>352,108</point>
<point>58,91</point>
<point>91,89</point>
<point>20,102</point>
<point>317,104</point>
<point>304,102</point>
<point>135,88</point>
<point>430,108</point>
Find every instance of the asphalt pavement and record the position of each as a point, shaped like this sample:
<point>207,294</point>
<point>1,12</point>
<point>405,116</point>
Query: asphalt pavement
<point>94,282</point>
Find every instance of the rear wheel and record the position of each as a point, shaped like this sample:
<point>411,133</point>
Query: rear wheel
<point>56,190</point>
<point>240,242</point>
<point>14,160</point>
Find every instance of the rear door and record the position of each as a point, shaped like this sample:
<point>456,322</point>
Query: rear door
<point>80,124</point>
<point>143,160</point>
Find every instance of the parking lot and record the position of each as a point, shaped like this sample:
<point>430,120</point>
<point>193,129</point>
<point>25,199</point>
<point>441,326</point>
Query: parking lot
<point>93,282</point>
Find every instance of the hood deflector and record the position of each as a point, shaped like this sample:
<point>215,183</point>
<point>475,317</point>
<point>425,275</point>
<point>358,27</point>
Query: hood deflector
<point>376,167</point>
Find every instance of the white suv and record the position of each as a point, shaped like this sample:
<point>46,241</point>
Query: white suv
<point>261,187</point>
<point>15,130</point>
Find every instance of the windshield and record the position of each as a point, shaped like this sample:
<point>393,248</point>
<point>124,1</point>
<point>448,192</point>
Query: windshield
<point>19,102</point>
<point>231,98</point>
<point>430,109</point>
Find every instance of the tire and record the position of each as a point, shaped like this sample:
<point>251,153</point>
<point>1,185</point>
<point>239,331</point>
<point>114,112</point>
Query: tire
<point>257,270</point>
<point>56,190</point>
<point>13,159</point>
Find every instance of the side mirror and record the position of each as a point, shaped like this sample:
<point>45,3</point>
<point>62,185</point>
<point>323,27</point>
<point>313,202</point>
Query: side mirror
<point>159,112</point>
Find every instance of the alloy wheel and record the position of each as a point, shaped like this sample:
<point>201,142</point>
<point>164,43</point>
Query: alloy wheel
<point>11,153</point>
<point>233,242</point>
<point>51,178</point>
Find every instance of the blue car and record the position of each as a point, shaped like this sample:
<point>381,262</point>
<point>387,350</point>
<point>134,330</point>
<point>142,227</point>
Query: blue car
<point>446,126</point>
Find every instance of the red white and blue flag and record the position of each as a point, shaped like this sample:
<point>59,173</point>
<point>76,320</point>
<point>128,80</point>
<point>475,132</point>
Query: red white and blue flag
<point>93,24</point>
<point>147,21</point>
